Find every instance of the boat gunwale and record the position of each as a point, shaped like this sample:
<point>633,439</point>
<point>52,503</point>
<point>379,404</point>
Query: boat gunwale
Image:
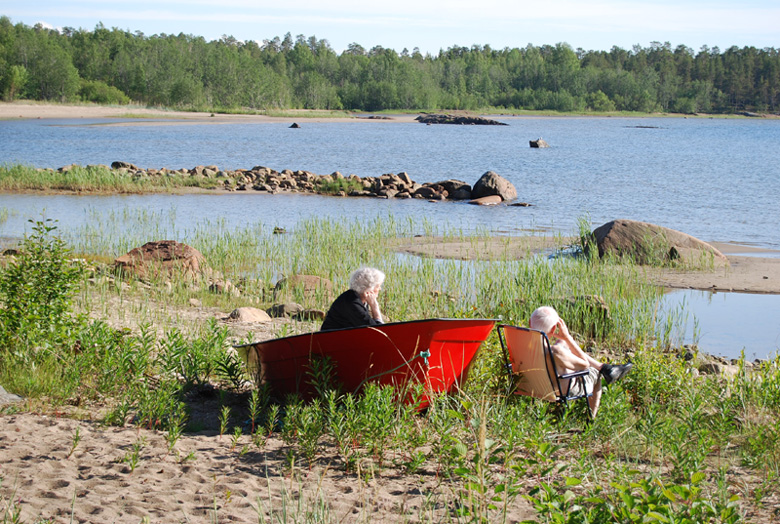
<point>377,326</point>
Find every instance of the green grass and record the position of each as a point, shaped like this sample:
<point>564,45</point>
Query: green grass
<point>94,179</point>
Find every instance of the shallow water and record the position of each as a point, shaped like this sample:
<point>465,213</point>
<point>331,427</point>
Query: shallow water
<point>716,179</point>
<point>727,324</point>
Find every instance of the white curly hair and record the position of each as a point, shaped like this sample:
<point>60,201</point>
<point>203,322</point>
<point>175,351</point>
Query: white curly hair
<point>365,278</point>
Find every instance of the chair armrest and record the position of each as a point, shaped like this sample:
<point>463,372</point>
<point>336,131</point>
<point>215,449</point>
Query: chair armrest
<point>575,374</point>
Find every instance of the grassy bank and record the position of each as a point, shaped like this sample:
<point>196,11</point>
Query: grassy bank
<point>94,179</point>
<point>667,445</point>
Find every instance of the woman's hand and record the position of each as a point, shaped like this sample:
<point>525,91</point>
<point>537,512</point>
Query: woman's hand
<point>369,297</point>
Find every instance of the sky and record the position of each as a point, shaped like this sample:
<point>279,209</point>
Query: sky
<point>431,26</point>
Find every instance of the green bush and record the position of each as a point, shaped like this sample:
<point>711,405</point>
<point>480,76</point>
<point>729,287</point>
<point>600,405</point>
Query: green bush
<point>101,93</point>
<point>36,291</point>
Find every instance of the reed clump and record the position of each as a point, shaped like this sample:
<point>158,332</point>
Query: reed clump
<point>667,442</point>
<point>94,179</point>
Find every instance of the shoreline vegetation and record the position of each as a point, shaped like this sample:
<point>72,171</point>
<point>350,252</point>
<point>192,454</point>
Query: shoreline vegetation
<point>31,109</point>
<point>227,75</point>
<point>130,386</point>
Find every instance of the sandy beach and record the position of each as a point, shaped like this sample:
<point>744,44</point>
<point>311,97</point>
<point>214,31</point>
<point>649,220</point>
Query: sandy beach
<point>205,478</point>
<point>143,115</point>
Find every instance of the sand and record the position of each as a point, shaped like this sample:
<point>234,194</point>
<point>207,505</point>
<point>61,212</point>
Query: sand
<point>151,116</point>
<point>206,478</point>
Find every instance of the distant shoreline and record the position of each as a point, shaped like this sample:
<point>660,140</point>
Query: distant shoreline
<point>146,116</point>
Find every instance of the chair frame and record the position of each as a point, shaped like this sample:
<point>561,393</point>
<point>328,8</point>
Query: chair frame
<point>551,370</point>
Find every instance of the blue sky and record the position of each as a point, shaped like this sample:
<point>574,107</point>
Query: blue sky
<point>429,25</point>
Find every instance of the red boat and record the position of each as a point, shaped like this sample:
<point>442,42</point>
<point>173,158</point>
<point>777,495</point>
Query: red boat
<point>434,352</point>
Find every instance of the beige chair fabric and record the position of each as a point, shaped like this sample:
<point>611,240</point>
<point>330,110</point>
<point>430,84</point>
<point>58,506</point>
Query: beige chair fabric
<point>528,354</point>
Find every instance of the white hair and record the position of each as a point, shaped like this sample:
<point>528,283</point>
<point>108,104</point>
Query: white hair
<point>365,278</point>
<point>544,319</point>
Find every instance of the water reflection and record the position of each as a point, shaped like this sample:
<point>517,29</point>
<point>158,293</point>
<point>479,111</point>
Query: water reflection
<point>725,324</point>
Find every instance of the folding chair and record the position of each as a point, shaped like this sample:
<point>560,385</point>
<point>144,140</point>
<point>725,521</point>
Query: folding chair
<point>531,367</point>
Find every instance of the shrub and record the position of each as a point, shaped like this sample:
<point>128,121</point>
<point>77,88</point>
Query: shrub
<point>101,93</point>
<point>36,291</point>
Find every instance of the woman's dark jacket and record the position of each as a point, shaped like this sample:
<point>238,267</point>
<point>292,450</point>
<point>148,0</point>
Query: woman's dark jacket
<point>348,311</point>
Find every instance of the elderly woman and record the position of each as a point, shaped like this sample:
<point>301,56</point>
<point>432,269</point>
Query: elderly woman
<point>357,306</point>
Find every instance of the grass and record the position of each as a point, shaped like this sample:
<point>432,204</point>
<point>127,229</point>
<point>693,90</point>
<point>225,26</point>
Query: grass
<point>665,443</point>
<point>94,179</point>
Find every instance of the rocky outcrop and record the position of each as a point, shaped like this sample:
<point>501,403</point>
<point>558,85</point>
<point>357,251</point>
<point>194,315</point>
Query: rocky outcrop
<point>538,143</point>
<point>462,120</point>
<point>492,183</point>
<point>265,179</point>
<point>652,244</point>
<point>162,258</point>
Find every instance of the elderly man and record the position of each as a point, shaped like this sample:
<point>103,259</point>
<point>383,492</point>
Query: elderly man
<point>569,357</point>
<point>357,306</point>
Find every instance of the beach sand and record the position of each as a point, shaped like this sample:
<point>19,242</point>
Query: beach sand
<point>205,478</point>
<point>150,116</point>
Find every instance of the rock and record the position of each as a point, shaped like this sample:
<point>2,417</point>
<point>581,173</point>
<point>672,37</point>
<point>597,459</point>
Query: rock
<point>303,287</point>
<point>8,398</point>
<point>538,143</point>
<point>126,165</point>
<point>295,126</point>
<point>491,200</point>
<point>164,257</point>
<point>717,368</point>
<point>456,189</point>
<point>458,120</point>
<point>289,309</point>
<point>249,314</point>
<point>492,183</point>
<point>648,243</point>
<point>426,192</point>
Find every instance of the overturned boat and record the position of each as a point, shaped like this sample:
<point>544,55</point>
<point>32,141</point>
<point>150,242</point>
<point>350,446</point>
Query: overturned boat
<point>434,353</point>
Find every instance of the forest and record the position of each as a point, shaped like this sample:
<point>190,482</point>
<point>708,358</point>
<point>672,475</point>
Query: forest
<point>113,66</point>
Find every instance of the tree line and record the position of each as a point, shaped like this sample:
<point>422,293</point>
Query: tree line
<point>185,71</point>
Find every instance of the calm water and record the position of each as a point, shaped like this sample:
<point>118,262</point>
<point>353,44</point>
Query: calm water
<point>716,179</point>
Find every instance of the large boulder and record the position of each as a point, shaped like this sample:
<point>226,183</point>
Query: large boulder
<point>163,258</point>
<point>492,183</point>
<point>652,244</point>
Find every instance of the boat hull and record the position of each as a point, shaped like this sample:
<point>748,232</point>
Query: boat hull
<point>435,353</point>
